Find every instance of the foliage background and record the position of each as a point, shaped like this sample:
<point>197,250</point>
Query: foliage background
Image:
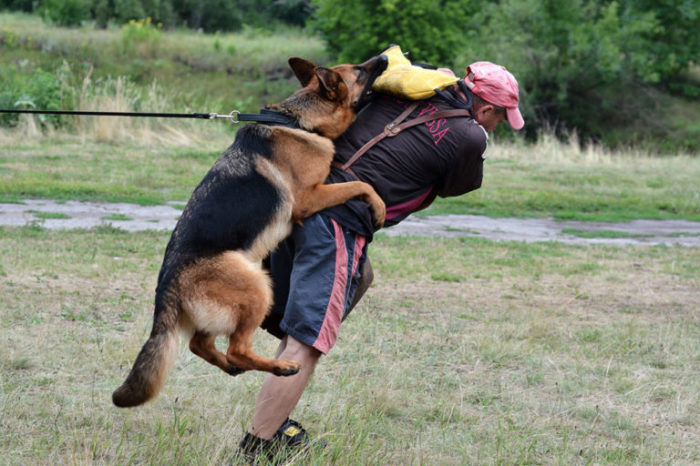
<point>587,66</point>
<point>617,72</point>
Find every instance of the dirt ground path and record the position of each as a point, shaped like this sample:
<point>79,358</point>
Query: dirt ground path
<point>74,214</point>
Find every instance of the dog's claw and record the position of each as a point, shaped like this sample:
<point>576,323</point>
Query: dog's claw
<point>286,372</point>
<point>234,371</point>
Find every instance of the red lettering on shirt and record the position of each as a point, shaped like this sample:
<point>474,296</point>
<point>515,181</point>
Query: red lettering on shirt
<point>429,109</point>
<point>435,127</point>
<point>435,131</point>
<point>438,136</point>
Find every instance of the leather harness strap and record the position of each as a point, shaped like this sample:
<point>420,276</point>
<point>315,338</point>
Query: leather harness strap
<point>395,127</point>
<point>387,132</point>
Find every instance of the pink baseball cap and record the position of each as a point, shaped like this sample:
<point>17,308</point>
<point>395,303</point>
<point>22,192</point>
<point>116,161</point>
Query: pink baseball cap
<point>495,84</point>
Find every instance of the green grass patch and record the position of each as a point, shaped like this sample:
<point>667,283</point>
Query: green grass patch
<point>681,234</point>
<point>603,233</point>
<point>521,181</point>
<point>464,351</point>
<point>117,217</point>
<point>561,181</point>
<point>446,277</point>
<point>104,172</point>
<point>48,215</point>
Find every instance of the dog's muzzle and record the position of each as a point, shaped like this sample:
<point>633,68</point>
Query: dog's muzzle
<point>377,65</point>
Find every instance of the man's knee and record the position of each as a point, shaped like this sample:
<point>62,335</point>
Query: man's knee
<point>298,351</point>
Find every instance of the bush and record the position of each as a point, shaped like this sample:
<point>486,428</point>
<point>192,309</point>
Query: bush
<point>66,12</point>
<point>580,63</point>
<point>210,15</point>
<point>18,5</point>
<point>291,11</point>
<point>141,31</point>
<point>123,11</point>
<point>127,10</point>
<point>674,41</point>
<point>431,31</point>
<point>36,90</point>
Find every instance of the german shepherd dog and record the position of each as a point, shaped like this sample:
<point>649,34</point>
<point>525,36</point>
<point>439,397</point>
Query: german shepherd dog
<point>211,282</point>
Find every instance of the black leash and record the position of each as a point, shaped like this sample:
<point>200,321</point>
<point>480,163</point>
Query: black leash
<point>265,116</point>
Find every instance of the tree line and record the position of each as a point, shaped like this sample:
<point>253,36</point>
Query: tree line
<point>586,65</point>
<point>592,66</point>
<point>207,15</point>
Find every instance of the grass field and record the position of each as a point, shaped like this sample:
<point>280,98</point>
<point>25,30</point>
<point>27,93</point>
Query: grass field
<point>567,182</point>
<point>463,352</point>
<point>547,179</point>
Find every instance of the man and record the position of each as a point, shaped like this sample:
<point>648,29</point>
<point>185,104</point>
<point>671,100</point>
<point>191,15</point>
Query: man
<point>316,271</point>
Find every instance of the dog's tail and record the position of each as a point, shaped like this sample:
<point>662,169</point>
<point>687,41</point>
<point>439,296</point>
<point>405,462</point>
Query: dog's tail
<point>153,362</point>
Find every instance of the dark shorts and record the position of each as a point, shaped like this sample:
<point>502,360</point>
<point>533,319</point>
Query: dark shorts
<point>314,272</point>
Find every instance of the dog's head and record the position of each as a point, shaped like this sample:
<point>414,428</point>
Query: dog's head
<point>330,97</point>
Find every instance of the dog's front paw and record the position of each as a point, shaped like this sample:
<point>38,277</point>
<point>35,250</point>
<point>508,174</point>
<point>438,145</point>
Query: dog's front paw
<point>234,371</point>
<point>286,368</point>
<point>379,211</point>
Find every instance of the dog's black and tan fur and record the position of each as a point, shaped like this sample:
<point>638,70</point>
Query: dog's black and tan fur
<point>211,281</point>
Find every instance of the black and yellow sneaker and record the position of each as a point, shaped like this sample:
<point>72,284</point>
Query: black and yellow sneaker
<point>292,434</point>
<point>291,439</point>
<point>252,450</point>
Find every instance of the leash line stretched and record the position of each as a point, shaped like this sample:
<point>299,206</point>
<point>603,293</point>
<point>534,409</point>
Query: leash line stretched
<point>266,116</point>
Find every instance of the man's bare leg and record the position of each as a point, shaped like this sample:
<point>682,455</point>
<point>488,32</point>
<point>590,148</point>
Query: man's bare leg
<point>279,395</point>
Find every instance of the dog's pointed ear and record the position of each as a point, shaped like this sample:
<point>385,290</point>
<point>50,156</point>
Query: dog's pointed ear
<point>303,69</point>
<point>331,83</point>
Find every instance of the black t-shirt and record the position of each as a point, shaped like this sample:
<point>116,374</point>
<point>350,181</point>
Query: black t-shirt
<point>441,157</point>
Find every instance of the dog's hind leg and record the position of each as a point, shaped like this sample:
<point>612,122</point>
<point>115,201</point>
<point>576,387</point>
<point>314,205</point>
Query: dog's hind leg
<point>203,345</point>
<point>229,295</point>
<point>240,351</point>
<point>248,292</point>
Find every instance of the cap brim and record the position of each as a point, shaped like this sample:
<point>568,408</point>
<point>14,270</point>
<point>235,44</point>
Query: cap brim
<point>515,119</point>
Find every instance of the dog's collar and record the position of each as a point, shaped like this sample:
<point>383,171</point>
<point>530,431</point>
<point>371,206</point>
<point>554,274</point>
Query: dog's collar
<point>270,117</point>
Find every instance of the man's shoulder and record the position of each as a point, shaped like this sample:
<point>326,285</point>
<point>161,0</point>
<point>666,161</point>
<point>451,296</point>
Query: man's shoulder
<point>475,131</point>
<point>476,138</point>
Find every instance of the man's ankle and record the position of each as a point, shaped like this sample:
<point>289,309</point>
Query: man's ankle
<point>290,437</point>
